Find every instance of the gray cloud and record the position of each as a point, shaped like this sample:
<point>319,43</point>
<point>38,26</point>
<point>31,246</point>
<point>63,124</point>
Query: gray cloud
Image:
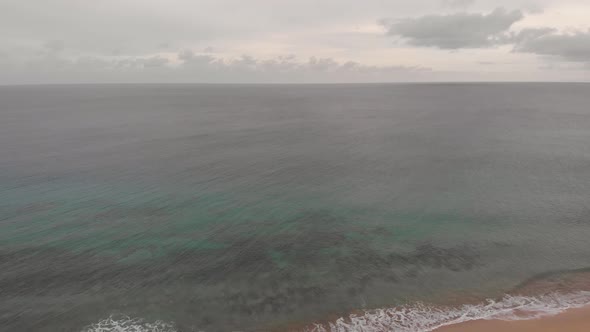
<point>461,30</point>
<point>548,42</point>
<point>54,46</point>
<point>208,49</point>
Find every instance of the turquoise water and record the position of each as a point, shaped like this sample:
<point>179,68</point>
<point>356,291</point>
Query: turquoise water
<point>253,207</point>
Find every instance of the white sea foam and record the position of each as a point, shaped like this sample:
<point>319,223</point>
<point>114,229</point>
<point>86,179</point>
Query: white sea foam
<point>127,324</point>
<point>424,318</point>
<point>411,318</point>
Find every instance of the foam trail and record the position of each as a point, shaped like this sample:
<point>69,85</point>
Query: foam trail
<point>424,318</point>
<point>411,318</point>
<point>127,324</point>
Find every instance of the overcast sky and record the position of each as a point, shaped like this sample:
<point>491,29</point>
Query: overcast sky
<point>216,41</point>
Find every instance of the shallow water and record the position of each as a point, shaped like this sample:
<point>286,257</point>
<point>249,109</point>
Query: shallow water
<point>226,207</point>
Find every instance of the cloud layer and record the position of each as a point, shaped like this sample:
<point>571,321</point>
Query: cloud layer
<point>188,66</point>
<point>66,41</point>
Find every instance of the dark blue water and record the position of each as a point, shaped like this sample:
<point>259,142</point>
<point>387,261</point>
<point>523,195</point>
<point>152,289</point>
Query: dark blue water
<point>217,208</point>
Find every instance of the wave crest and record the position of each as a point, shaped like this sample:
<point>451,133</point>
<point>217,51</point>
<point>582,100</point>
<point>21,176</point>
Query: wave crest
<point>127,324</point>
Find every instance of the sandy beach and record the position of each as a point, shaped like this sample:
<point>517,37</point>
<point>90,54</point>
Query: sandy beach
<point>573,320</point>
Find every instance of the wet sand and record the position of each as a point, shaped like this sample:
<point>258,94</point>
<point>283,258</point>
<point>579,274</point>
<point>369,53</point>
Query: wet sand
<point>573,320</point>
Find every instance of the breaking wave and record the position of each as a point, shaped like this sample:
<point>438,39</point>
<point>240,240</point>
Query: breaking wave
<point>410,318</point>
<point>425,318</point>
<point>127,324</point>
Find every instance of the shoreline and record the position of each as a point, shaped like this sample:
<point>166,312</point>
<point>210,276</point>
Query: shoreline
<point>552,302</point>
<point>571,320</point>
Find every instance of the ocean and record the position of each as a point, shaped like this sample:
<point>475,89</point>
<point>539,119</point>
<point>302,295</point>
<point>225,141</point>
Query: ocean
<point>377,207</point>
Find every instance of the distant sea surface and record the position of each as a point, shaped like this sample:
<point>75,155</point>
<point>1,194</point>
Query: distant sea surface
<point>262,207</point>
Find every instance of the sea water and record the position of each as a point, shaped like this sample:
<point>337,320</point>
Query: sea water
<point>255,207</point>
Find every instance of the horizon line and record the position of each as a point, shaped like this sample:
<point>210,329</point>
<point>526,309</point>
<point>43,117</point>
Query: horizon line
<point>294,83</point>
